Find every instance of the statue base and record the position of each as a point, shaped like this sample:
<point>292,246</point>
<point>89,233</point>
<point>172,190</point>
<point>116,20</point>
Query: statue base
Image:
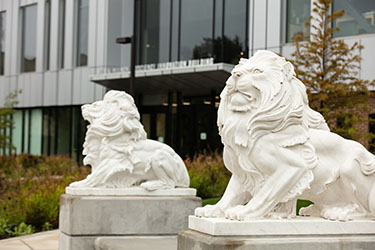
<point>86,221</point>
<point>267,234</point>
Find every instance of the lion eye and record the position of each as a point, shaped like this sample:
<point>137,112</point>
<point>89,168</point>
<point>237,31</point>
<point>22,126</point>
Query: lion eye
<point>257,71</point>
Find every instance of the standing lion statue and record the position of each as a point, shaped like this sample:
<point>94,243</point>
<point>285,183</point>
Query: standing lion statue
<point>279,150</point>
<point>119,153</point>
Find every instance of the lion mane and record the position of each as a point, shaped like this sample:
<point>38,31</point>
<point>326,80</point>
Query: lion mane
<point>281,101</point>
<point>119,153</point>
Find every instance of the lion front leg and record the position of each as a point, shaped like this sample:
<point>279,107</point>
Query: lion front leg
<point>233,195</point>
<point>285,172</point>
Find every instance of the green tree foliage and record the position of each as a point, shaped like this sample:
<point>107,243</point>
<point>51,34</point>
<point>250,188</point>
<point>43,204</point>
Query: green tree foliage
<point>329,68</point>
<point>6,122</point>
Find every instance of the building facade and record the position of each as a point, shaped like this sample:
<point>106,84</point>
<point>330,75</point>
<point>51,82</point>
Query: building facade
<point>63,53</point>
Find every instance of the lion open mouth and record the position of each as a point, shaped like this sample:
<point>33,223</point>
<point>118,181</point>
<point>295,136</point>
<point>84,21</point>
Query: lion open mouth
<point>241,102</point>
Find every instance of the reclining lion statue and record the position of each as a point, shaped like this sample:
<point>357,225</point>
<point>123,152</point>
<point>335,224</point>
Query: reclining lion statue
<point>119,153</point>
<point>279,150</point>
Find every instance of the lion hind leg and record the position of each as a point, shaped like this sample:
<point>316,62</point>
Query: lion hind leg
<point>311,210</point>
<point>371,200</point>
<point>155,184</point>
<point>344,212</point>
<point>284,210</point>
<point>164,172</point>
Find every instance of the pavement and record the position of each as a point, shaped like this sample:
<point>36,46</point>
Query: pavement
<point>40,241</point>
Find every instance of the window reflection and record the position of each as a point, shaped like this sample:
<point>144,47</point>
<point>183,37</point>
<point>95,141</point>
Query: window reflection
<point>298,13</point>
<point>235,44</point>
<point>196,26</point>
<point>47,25</point>
<point>82,35</point>
<point>28,38</point>
<point>174,30</point>
<point>2,42</point>
<point>155,26</point>
<point>61,33</point>
<point>359,17</point>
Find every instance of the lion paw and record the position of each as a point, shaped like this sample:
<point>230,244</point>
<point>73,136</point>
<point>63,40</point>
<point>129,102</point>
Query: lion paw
<point>310,210</point>
<point>156,184</point>
<point>344,213</point>
<point>236,213</point>
<point>281,215</point>
<point>209,211</point>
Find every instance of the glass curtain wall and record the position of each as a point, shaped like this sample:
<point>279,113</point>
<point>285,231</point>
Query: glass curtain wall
<point>235,30</point>
<point>359,17</point>
<point>155,29</point>
<point>49,131</point>
<point>196,29</point>
<point>298,13</point>
<point>2,41</point>
<point>174,30</point>
<point>82,32</point>
<point>28,53</point>
<point>47,31</point>
<point>61,33</point>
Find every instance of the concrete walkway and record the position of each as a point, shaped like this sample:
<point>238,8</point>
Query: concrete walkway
<point>40,241</point>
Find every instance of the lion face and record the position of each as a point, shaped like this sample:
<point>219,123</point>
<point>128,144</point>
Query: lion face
<point>116,117</point>
<point>256,80</point>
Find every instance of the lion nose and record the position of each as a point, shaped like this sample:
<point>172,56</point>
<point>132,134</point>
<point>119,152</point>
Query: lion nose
<point>238,74</point>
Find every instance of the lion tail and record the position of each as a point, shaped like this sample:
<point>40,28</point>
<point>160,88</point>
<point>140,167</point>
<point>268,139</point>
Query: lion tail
<point>366,161</point>
<point>371,199</point>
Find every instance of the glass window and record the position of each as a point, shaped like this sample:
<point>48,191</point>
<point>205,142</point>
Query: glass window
<point>175,29</point>
<point>160,126</point>
<point>63,131</point>
<point>79,128</point>
<point>47,31</point>
<point>155,26</point>
<point>17,131</point>
<point>359,17</point>
<point>26,131</point>
<point>235,40</point>
<point>196,29</point>
<point>49,131</point>
<point>2,42</point>
<point>146,121</point>
<point>28,58</point>
<point>82,32</point>
<point>36,132</point>
<point>298,13</point>
<point>61,33</point>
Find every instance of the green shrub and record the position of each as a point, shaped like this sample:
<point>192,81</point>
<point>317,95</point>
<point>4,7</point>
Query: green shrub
<point>30,190</point>
<point>208,175</point>
<point>23,229</point>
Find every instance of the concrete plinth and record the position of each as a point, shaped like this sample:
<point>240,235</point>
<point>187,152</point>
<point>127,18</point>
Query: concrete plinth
<point>267,234</point>
<point>84,219</point>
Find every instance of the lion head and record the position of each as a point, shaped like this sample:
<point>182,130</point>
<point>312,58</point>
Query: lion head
<point>266,91</point>
<point>114,117</point>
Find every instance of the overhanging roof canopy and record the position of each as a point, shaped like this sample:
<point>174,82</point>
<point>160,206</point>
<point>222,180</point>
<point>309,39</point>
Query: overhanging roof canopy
<point>189,80</point>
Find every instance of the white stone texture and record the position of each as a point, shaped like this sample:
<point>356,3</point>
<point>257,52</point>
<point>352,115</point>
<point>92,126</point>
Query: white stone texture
<point>125,215</point>
<point>136,243</point>
<point>133,191</point>
<point>193,240</point>
<point>267,227</point>
<point>280,150</point>
<point>119,153</point>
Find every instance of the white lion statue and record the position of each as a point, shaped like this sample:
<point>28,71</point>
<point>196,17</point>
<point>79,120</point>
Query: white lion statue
<point>279,150</point>
<point>119,153</point>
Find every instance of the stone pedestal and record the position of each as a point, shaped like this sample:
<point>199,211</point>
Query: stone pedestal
<point>267,234</point>
<point>85,218</point>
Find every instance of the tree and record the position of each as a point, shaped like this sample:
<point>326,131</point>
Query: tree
<point>330,68</point>
<point>6,122</point>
